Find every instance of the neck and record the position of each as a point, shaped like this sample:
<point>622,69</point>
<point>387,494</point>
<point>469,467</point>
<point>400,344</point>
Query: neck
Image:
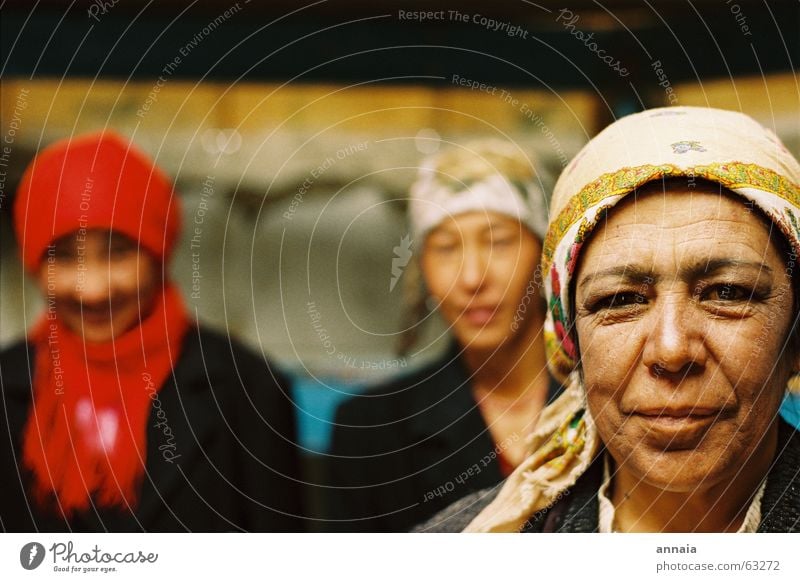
<point>513,368</point>
<point>641,507</point>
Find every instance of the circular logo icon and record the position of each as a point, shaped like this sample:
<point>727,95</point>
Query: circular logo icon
<point>31,555</point>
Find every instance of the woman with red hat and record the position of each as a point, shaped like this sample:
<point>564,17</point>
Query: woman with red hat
<point>121,413</point>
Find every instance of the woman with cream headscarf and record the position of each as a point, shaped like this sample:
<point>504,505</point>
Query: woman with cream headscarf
<point>405,450</point>
<point>119,411</point>
<point>673,304</point>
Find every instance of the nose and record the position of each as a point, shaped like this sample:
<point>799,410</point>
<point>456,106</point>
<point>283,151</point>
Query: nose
<point>95,285</point>
<point>675,345</point>
<point>473,270</point>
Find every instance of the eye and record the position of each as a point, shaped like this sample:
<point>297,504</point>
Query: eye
<point>726,292</point>
<point>65,252</point>
<point>502,241</point>
<point>619,300</point>
<point>119,252</point>
<point>442,247</point>
<point>120,248</point>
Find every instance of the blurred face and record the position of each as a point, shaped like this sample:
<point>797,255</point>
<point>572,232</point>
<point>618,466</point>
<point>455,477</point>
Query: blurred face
<point>103,285</point>
<point>683,306</point>
<point>479,267</point>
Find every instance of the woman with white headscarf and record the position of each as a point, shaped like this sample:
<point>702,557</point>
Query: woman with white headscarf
<point>672,292</point>
<point>407,449</point>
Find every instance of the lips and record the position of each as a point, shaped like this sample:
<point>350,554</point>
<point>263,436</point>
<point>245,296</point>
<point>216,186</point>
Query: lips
<point>674,429</point>
<point>95,314</point>
<point>479,315</point>
<point>679,411</point>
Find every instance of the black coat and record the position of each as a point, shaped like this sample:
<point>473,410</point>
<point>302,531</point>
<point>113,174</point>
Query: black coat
<point>578,510</point>
<point>233,464</point>
<point>408,449</point>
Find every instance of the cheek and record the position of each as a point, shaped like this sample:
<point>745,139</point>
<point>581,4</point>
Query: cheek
<point>511,271</point>
<point>126,279</point>
<point>759,389</point>
<point>149,283</point>
<point>439,275</point>
<point>513,268</point>
<point>60,281</point>
<point>603,376</point>
<point>603,405</point>
<point>607,353</point>
<point>608,359</point>
<point>753,355</point>
<point>131,278</point>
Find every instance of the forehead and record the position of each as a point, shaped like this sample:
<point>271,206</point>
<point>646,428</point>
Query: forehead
<point>475,221</point>
<point>682,220</point>
<point>95,237</point>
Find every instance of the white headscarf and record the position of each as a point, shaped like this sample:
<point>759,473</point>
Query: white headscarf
<point>485,176</point>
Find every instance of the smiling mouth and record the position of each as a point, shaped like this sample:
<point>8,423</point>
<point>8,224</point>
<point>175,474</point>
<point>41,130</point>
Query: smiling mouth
<point>677,429</point>
<point>96,315</point>
<point>91,315</point>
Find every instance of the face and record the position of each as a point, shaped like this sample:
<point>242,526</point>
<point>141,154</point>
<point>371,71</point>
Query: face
<point>479,267</point>
<point>103,285</point>
<point>682,309</point>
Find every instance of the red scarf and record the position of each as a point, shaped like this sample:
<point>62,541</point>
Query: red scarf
<point>85,440</point>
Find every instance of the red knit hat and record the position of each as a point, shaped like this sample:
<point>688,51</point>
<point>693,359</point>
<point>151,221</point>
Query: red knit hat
<point>87,429</point>
<point>94,181</point>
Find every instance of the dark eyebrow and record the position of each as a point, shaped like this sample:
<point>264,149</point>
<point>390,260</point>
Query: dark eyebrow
<point>637,274</point>
<point>712,266</point>
<point>629,273</point>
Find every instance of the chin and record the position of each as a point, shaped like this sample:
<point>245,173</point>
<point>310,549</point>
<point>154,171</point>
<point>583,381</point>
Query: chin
<point>484,340</point>
<point>677,471</point>
<point>100,333</point>
<point>97,337</point>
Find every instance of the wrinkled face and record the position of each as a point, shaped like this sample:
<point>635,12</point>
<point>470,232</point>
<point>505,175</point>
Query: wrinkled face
<point>103,285</point>
<point>683,305</point>
<point>479,267</point>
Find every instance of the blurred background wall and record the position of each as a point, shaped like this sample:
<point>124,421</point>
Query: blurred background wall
<point>294,131</point>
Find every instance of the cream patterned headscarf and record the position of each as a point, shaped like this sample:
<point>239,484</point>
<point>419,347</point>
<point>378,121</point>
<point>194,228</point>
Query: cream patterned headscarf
<point>710,144</point>
<point>487,175</point>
